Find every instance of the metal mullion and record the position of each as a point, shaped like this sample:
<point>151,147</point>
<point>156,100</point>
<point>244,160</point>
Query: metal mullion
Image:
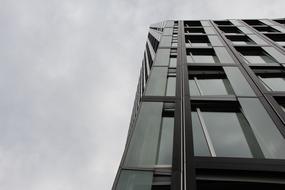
<point>206,133</point>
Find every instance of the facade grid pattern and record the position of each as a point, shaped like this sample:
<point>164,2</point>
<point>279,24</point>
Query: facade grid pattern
<point>209,112</point>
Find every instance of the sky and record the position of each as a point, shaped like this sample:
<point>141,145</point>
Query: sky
<point>68,76</point>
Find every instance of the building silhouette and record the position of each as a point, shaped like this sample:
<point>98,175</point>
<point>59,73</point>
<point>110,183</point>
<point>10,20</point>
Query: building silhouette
<point>209,108</point>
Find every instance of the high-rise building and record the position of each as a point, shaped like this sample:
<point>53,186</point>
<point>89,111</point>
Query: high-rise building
<point>209,111</point>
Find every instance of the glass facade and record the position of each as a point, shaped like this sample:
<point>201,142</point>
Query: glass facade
<point>209,108</point>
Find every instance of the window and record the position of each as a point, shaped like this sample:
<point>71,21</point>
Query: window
<point>232,128</point>
<point>161,181</point>
<point>173,58</point>
<point>240,40</point>
<point>273,83</point>
<point>157,81</point>
<point>278,38</point>
<point>171,82</point>
<point>255,55</point>
<point>197,40</point>
<point>238,82</point>
<point>281,101</point>
<point>152,136</point>
<point>143,180</point>
<point>195,30</point>
<point>265,29</point>
<point>164,157</point>
<point>267,134</point>
<point>173,61</point>
<point>253,22</point>
<point>272,79</point>
<point>223,22</point>
<point>205,55</point>
<point>142,149</point>
<point>230,30</point>
<point>174,42</point>
<point>222,131</point>
<point>192,23</point>
<point>221,179</point>
<point>131,179</point>
<point>282,21</point>
<point>209,82</point>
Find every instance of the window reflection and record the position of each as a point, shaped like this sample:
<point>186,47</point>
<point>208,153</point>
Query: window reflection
<point>256,55</point>
<point>205,55</point>
<point>209,82</point>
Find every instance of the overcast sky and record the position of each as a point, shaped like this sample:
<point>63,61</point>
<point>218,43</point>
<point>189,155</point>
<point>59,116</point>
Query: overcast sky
<point>68,75</point>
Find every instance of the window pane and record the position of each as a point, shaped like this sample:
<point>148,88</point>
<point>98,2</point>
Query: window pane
<point>199,140</point>
<point>205,23</point>
<point>157,82</point>
<point>268,136</point>
<point>193,88</point>
<point>189,59</point>
<point>215,41</point>
<point>280,28</point>
<point>215,86</point>
<point>238,82</point>
<point>162,57</point>
<point>275,54</point>
<point>226,134</point>
<point>171,83</point>
<point>240,42</point>
<point>209,30</point>
<point>203,58</point>
<point>166,141</point>
<point>223,55</point>
<point>281,43</point>
<point>135,180</point>
<point>200,44</point>
<point>258,59</point>
<point>142,149</point>
<point>236,22</point>
<point>275,84</point>
<point>165,41</point>
<point>257,39</point>
<point>173,61</point>
<point>245,30</point>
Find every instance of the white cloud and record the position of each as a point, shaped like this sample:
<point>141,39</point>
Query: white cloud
<point>68,75</point>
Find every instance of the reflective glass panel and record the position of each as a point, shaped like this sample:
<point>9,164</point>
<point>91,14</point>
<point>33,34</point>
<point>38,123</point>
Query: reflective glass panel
<point>142,149</point>
<point>193,88</point>
<point>258,59</point>
<point>135,180</point>
<point>223,55</point>
<point>162,57</point>
<point>267,134</point>
<point>238,82</point>
<point>200,44</point>
<point>171,83</point>
<point>215,86</point>
<point>166,141</point>
<point>173,62</point>
<point>203,58</point>
<point>157,82</point>
<point>215,41</point>
<point>274,84</point>
<point>199,140</point>
<point>226,133</point>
